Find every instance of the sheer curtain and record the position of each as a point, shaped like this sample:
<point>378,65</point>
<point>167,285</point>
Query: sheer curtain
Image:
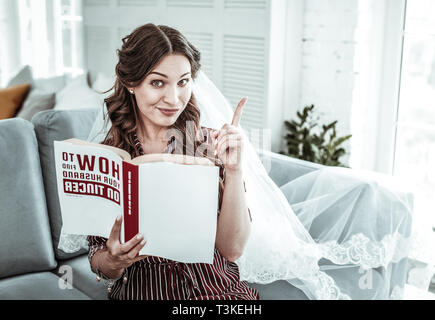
<point>44,34</point>
<point>393,59</point>
<point>9,41</point>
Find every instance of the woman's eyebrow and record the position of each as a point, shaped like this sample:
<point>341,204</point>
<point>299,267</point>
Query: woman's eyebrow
<point>165,76</point>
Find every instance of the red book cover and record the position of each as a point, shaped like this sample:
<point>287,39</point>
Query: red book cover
<point>131,200</point>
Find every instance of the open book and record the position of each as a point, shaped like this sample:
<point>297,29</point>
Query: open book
<point>171,199</point>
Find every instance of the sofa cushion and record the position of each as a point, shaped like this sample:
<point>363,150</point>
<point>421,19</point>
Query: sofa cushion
<point>51,84</point>
<point>25,244</point>
<point>11,99</point>
<point>77,95</point>
<point>37,101</point>
<point>51,125</point>
<point>83,278</point>
<point>23,76</point>
<point>38,286</point>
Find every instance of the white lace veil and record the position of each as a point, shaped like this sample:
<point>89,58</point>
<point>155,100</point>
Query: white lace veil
<point>360,228</point>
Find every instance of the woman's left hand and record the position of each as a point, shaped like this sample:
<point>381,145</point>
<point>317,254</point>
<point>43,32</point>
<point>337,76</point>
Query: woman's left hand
<point>228,141</point>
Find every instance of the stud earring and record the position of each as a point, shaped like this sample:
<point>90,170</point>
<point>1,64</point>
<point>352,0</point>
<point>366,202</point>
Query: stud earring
<point>131,91</point>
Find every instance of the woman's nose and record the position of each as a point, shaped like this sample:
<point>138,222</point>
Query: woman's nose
<point>171,96</point>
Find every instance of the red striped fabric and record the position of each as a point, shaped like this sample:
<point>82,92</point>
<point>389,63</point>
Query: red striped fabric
<point>155,278</point>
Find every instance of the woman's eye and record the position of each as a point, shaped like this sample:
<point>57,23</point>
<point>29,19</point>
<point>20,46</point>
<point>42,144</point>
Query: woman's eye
<point>183,82</point>
<point>157,83</point>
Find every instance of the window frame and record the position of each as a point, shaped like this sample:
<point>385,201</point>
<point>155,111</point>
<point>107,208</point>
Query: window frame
<point>391,73</point>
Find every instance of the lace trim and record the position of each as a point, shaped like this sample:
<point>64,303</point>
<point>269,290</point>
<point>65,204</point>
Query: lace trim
<point>358,250</point>
<point>301,267</point>
<point>70,243</point>
<point>319,282</point>
<point>362,251</point>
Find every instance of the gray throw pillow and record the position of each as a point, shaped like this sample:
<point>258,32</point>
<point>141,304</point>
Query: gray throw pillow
<point>37,100</point>
<point>52,84</point>
<point>24,76</point>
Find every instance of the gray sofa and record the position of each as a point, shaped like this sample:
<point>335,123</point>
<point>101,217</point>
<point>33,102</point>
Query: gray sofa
<point>32,267</point>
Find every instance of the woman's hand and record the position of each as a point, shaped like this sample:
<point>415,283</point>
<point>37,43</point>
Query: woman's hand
<point>228,141</point>
<point>122,255</point>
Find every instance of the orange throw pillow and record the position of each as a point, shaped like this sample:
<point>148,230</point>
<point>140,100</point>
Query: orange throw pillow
<point>11,99</point>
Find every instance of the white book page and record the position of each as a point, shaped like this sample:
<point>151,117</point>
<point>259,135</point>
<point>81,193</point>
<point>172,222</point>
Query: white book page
<point>178,211</point>
<point>84,214</point>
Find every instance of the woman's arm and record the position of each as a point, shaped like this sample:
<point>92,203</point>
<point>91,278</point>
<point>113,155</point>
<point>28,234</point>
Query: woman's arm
<point>234,224</point>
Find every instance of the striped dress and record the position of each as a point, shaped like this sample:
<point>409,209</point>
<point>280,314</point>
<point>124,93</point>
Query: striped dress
<point>155,278</point>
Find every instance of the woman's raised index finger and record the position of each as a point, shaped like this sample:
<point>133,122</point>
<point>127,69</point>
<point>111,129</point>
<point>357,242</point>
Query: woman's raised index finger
<point>238,113</point>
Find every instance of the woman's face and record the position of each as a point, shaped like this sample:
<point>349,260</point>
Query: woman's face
<point>165,91</point>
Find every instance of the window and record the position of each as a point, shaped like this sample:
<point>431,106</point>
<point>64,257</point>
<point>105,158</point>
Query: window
<point>414,156</point>
<point>51,36</point>
<point>34,42</point>
<point>71,24</point>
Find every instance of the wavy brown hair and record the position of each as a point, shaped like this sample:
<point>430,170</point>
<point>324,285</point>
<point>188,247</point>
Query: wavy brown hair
<point>141,51</point>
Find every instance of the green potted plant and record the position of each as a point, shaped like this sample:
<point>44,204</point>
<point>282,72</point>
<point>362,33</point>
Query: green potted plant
<point>304,143</point>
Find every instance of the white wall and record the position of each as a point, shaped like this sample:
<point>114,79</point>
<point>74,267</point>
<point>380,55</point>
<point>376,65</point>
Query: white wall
<point>350,59</point>
<point>327,68</point>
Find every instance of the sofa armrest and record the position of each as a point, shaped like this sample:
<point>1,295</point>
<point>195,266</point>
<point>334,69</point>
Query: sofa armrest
<point>360,218</point>
<point>25,244</point>
<point>283,169</point>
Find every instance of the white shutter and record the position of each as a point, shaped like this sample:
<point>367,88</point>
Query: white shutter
<point>244,75</point>
<point>190,3</point>
<point>246,4</point>
<point>204,43</point>
<point>139,3</point>
<point>91,3</point>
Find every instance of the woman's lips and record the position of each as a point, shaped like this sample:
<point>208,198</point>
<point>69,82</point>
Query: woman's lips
<point>168,112</point>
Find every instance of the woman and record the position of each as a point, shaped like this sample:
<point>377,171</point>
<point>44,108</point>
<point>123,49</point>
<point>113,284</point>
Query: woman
<point>152,98</point>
